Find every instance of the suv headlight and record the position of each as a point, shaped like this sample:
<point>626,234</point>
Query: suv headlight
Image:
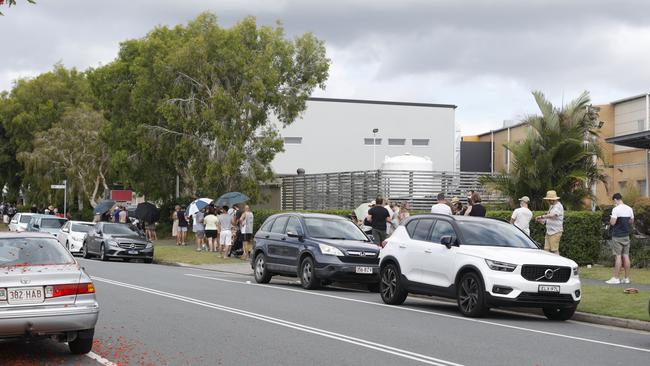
<point>329,250</point>
<point>575,271</point>
<point>500,266</point>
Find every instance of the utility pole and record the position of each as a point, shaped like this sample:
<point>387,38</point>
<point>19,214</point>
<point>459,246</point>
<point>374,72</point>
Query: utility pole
<point>374,148</point>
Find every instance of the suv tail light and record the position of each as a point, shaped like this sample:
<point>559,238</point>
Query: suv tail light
<point>69,289</point>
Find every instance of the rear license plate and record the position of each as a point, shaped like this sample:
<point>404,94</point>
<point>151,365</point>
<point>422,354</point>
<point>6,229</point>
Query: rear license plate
<point>133,252</point>
<point>25,295</point>
<point>364,270</point>
<point>547,288</point>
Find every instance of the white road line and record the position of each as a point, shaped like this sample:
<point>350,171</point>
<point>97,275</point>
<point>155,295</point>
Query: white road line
<point>403,308</point>
<point>101,360</point>
<point>284,323</point>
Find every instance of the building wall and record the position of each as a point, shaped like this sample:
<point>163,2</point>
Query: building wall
<point>500,154</point>
<point>630,117</point>
<point>331,136</point>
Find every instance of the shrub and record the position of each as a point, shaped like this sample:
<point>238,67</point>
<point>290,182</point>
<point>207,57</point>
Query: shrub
<point>642,215</point>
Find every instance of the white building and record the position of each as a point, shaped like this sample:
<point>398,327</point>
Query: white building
<point>336,135</point>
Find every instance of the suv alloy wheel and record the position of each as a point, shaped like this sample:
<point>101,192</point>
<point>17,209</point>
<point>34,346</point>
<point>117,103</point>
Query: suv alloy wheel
<point>308,279</point>
<point>471,295</point>
<point>262,274</point>
<point>390,287</point>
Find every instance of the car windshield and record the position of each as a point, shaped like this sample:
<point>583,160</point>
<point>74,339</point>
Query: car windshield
<point>333,229</point>
<point>118,229</point>
<point>24,219</point>
<point>494,233</point>
<point>52,223</point>
<point>32,251</point>
<point>81,228</point>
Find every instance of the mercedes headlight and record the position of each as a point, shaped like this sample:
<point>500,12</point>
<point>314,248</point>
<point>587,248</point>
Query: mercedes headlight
<point>500,266</point>
<point>329,250</point>
<point>112,243</point>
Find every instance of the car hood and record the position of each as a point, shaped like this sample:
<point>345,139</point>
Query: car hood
<point>349,244</point>
<point>516,255</point>
<point>126,238</point>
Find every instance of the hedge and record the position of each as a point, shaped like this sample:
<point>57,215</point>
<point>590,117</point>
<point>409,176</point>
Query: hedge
<point>581,240</point>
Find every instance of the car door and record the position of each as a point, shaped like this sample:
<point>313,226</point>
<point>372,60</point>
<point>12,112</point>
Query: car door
<point>437,261</point>
<point>63,234</point>
<point>92,238</point>
<point>275,246</point>
<point>13,224</point>
<point>291,244</point>
<point>415,248</point>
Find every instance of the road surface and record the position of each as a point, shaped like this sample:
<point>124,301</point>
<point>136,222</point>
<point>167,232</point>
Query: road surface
<point>163,315</point>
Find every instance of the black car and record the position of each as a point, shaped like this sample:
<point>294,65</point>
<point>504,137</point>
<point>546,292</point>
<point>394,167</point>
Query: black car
<point>108,240</point>
<point>317,248</point>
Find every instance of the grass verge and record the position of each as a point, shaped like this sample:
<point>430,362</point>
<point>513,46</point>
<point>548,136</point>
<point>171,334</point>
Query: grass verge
<point>189,255</point>
<point>637,275</point>
<point>611,301</point>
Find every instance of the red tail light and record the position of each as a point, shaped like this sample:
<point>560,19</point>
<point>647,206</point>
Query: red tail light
<point>70,289</point>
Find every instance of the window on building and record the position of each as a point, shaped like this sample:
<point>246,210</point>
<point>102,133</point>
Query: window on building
<point>293,140</point>
<point>396,142</point>
<point>369,141</point>
<point>622,185</point>
<point>420,142</point>
<point>641,184</point>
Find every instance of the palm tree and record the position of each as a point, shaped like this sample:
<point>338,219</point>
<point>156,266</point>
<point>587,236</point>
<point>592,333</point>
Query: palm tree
<point>557,154</point>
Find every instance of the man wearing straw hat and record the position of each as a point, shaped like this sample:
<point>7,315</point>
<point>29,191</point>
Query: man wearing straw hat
<point>553,220</point>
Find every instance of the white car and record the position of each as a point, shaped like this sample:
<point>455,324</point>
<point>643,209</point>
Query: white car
<point>19,222</point>
<point>480,262</point>
<point>73,233</point>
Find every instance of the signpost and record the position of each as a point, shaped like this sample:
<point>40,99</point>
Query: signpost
<point>64,187</point>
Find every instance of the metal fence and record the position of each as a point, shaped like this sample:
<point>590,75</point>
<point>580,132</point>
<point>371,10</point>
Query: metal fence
<point>350,189</point>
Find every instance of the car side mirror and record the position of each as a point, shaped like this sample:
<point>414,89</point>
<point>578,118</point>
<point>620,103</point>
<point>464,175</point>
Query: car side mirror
<point>98,233</point>
<point>36,226</point>
<point>447,241</point>
<point>291,234</point>
<point>65,230</point>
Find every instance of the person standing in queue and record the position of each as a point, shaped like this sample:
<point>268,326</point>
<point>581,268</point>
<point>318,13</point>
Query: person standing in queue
<point>553,220</point>
<point>521,217</point>
<point>476,208</point>
<point>182,227</point>
<point>379,218</point>
<point>246,226</point>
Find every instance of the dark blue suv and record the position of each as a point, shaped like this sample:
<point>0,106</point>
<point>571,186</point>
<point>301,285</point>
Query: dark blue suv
<point>317,248</point>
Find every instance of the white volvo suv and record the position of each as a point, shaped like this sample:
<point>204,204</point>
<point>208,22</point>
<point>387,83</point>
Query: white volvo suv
<point>480,262</point>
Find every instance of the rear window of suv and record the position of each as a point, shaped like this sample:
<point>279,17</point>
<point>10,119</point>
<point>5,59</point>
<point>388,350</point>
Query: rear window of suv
<point>32,252</point>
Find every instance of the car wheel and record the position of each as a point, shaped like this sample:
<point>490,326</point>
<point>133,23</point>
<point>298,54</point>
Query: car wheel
<point>390,285</point>
<point>373,287</point>
<point>83,343</point>
<point>102,253</point>
<point>308,279</point>
<point>262,274</point>
<point>559,313</point>
<point>84,251</point>
<point>471,297</point>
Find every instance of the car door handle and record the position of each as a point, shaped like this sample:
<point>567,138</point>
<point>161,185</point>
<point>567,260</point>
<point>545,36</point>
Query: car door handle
<point>267,236</point>
<point>427,250</point>
<point>283,238</point>
<point>402,246</point>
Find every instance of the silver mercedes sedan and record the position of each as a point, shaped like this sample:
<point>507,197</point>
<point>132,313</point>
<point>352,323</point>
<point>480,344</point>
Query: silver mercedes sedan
<point>44,292</point>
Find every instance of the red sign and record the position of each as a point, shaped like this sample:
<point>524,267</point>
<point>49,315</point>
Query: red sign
<point>121,195</point>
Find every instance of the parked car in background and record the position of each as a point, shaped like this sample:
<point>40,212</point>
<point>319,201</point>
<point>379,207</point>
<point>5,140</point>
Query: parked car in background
<point>317,248</point>
<point>44,293</point>
<point>110,240</point>
<point>480,262</point>
<point>46,224</point>
<point>20,221</point>
<point>73,233</point>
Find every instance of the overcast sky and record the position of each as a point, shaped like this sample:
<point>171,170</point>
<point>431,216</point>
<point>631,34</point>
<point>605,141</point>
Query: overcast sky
<point>483,56</point>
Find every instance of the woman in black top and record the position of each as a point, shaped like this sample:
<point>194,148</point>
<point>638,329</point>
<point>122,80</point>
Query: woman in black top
<point>476,208</point>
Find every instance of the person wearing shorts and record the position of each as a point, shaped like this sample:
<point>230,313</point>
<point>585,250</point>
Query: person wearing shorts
<point>225,236</point>
<point>199,230</point>
<point>621,220</point>
<point>553,220</point>
<point>211,221</point>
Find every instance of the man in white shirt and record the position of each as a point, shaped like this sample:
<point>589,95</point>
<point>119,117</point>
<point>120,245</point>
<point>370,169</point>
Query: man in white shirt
<point>521,217</point>
<point>441,207</point>
<point>621,220</point>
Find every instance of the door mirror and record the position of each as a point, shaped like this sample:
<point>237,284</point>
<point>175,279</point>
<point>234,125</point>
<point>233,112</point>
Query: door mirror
<point>447,241</point>
<point>98,233</point>
<point>65,230</point>
<point>36,226</point>
<point>292,234</point>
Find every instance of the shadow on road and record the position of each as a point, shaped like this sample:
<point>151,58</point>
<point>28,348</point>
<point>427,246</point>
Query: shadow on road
<point>39,353</point>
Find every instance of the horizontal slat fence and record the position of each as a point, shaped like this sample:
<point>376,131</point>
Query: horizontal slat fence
<point>350,189</point>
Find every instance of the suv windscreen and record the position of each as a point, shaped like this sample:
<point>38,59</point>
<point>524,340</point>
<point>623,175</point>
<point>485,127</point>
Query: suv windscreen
<point>24,219</point>
<point>118,229</point>
<point>32,251</point>
<point>494,233</point>
<point>333,229</point>
<point>52,223</point>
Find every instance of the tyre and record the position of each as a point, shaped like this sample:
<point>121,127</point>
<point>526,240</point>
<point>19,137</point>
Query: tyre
<point>102,253</point>
<point>471,296</point>
<point>262,274</point>
<point>374,287</point>
<point>84,251</point>
<point>391,288</point>
<point>308,279</point>
<point>83,343</point>
<point>559,313</point>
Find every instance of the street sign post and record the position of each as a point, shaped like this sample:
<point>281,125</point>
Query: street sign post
<point>64,187</point>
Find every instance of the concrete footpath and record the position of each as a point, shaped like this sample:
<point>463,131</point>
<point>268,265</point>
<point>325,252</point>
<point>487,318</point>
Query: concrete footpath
<point>244,268</point>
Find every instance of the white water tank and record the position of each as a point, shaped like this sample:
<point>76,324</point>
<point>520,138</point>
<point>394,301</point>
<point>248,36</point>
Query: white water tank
<point>407,162</point>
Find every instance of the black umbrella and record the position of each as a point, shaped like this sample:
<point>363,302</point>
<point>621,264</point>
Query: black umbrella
<point>231,198</point>
<point>147,212</point>
<point>103,206</point>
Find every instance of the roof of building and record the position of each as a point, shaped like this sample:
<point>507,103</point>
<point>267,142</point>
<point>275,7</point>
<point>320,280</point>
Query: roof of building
<point>503,129</point>
<point>363,101</point>
<point>629,98</point>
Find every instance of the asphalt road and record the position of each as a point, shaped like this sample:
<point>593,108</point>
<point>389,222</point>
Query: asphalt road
<point>161,315</point>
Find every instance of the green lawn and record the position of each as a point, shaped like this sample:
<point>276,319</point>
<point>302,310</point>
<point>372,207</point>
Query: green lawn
<point>611,301</point>
<point>637,275</point>
<point>188,254</point>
